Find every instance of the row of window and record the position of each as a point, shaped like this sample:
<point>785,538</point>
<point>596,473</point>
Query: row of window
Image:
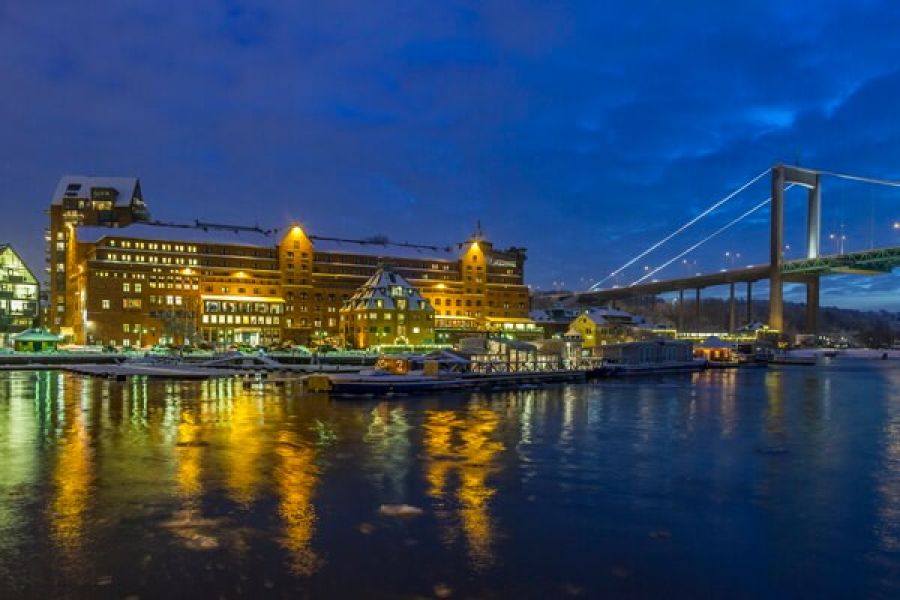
<point>239,320</point>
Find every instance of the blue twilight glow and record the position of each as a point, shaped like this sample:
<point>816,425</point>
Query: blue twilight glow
<point>582,131</point>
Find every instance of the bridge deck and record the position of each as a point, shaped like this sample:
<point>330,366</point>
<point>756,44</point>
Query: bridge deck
<point>867,262</point>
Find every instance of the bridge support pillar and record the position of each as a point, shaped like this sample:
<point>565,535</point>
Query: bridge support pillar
<point>680,311</point>
<point>697,310</point>
<point>812,305</point>
<point>776,251</point>
<point>731,308</point>
<point>749,302</point>
<point>814,218</point>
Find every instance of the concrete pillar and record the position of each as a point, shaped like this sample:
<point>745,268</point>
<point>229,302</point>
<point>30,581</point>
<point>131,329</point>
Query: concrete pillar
<point>814,218</point>
<point>680,311</point>
<point>776,282</point>
<point>812,305</point>
<point>697,310</point>
<point>731,308</point>
<point>749,302</point>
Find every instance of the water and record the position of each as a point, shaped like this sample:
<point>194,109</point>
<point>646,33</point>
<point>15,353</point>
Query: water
<point>754,483</point>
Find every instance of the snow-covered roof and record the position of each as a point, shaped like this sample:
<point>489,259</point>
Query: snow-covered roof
<point>79,186</point>
<point>383,288</point>
<point>382,249</point>
<point>199,234</point>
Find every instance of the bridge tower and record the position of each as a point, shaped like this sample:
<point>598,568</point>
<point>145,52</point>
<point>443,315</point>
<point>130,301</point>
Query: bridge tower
<point>812,181</point>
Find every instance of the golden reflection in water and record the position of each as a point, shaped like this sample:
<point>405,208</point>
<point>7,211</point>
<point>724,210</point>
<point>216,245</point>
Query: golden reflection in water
<point>72,478</point>
<point>188,454</point>
<point>296,477</point>
<point>463,444</point>
<point>244,449</point>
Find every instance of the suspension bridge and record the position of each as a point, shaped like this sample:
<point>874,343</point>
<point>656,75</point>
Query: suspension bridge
<point>778,271</point>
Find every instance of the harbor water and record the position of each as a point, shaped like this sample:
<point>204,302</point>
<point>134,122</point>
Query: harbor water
<point>760,482</point>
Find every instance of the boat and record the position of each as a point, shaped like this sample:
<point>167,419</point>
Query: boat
<point>440,371</point>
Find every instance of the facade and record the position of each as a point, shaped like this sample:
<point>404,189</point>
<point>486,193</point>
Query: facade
<point>127,281</point>
<point>599,326</point>
<point>19,295</point>
<point>83,201</point>
<point>647,352</point>
<point>387,309</point>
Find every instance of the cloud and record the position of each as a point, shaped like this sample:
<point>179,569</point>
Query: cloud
<point>582,130</point>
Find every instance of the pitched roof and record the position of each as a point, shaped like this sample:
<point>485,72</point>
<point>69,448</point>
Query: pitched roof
<point>382,248</point>
<point>196,233</point>
<point>79,186</point>
<point>384,287</point>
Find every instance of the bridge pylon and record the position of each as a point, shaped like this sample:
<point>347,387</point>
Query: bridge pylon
<point>812,181</point>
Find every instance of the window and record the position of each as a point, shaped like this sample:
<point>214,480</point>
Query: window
<point>126,287</point>
<point>104,304</point>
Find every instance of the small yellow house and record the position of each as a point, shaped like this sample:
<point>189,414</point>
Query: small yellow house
<point>600,326</point>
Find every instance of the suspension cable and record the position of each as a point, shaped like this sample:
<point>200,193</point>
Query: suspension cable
<point>864,179</point>
<point>709,237</point>
<point>679,230</point>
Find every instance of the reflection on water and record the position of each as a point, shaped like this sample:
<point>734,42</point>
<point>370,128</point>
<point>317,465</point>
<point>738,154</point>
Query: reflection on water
<point>389,449</point>
<point>210,488</point>
<point>296,476</point>
<point>462,444</point>
<point>72,474</point>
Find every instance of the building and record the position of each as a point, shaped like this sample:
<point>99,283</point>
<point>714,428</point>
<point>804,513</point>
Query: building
<point>646,352</point>
<point>599,326</point>
<point>128,281</point>
<point>83,201</point>
<point>19,295</point>
<point>387,309</point>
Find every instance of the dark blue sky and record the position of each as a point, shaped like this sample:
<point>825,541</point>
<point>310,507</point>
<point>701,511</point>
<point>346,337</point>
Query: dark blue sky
<point>583,131</point>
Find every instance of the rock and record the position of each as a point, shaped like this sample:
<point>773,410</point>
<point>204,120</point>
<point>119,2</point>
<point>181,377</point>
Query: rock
<point>399,510</point>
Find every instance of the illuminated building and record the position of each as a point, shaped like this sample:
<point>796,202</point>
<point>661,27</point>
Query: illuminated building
<point>126,281</point>
<point>18,295</point>
<point>79,200</point>
<point>599,326</point>
<point>387,309</point>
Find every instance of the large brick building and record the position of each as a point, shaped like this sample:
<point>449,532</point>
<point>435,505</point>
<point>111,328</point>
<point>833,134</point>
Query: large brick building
<point>119,278</point>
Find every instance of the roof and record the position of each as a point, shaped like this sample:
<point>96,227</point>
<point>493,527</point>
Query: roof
<point>382,248</point>
<point>79,186</point>
<point>8,247</point>
<point>384,287</point>
<point>195,233</point>
<point>36,335</point>
<point>713,342</point>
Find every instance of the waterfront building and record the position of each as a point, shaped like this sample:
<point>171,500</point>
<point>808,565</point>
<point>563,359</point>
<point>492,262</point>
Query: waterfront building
<point>136,282</point>
<point>646,352</point>
<point>83,201</point>
<point>599,326</point>
<point>35,340</point>
<point>19,295</point>
<point>387,309</point>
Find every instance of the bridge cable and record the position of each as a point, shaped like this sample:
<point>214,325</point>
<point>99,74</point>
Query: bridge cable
<point>709,237</point>
<point>862,178</point>
<point>679,230</point>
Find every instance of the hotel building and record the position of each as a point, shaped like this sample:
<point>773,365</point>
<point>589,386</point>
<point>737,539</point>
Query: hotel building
<point>118,278</point>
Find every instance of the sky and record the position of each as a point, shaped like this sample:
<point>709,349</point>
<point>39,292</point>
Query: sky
<point>583,131</point>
